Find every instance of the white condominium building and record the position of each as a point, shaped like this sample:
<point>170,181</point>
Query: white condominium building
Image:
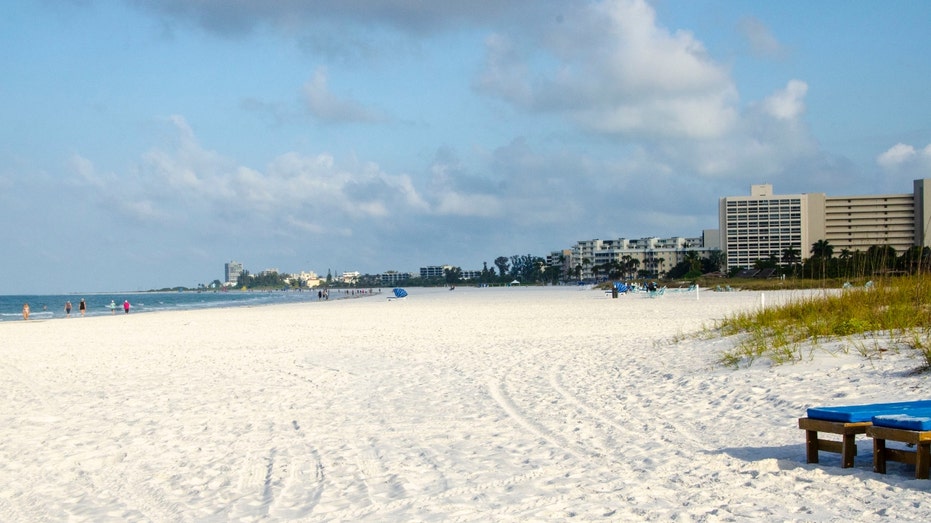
<point>764,225</point>
<point>651,256</point>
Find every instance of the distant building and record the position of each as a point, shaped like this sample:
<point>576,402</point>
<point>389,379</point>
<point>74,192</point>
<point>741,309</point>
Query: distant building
<point>471,275</point>
<point>563,260</point>
<point>650,257</point>
<point>434,271</point>
<point>231,272</point>
<point>394,277</point>
<point>306,279</point>
<point>350,277</point>
<point>764,225</point>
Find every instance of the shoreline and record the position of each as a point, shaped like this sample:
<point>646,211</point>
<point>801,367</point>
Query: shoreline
<point>148,302</point>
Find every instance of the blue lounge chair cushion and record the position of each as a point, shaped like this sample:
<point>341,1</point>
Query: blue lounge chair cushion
<point>917,420</point>
<point>862,413</point>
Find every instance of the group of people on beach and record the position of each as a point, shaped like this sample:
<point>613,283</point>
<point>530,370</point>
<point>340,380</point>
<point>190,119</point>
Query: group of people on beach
<point>113,306</point>
<point>82,307</point>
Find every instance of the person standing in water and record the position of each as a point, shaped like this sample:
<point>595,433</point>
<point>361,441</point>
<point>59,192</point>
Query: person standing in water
<point>82,307</point>
<point>25,311</point>
<point>126,306</point>
<point>67,309</point>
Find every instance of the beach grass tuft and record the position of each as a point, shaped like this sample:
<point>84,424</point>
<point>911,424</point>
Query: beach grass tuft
<point>900,307</point>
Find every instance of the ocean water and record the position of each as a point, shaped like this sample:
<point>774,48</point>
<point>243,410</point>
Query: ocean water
<point>53,306</point>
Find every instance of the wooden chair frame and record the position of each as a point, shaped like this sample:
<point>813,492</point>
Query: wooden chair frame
<point>920,457</point>
<point>847,447</point>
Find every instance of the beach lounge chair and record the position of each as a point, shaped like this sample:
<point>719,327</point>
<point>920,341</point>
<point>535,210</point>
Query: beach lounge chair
<point>912,428</point>
<point>847,422</point>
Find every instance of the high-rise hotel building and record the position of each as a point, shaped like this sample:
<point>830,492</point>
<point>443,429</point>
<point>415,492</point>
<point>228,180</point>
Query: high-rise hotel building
<point>763,224</point>
<point>232,271</point>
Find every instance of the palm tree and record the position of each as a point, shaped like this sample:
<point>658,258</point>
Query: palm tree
<point>822,250</point>
<point>694,261</point>
<point>631,265</point>
<point>616,270</point>
<point>791,256</point>
<point>716,259</point>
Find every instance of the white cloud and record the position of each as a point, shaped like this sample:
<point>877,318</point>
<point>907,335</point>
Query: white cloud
<point>905,157</point>
<point>788,103</point>
<point>896,155</point>
<point>175,182</point>
<point>612,69</point>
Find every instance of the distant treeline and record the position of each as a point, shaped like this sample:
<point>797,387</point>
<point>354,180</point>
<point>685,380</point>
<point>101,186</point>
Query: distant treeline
<point>528,269</point>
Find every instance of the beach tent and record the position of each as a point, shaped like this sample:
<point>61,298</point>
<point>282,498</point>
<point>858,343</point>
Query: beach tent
<point>399,292</point>
<point>515,282</point>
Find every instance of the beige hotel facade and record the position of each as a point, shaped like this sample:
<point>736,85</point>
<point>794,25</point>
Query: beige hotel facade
<point>763,224</point>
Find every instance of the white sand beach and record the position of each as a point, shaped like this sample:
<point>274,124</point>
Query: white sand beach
<point>517,404</point>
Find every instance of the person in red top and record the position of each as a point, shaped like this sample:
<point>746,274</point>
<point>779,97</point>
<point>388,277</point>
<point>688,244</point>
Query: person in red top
<point>126,306</point>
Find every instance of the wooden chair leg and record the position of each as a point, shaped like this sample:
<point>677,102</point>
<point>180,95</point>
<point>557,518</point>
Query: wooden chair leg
<point>879,455</point>
<point>922,460</point>
<point>811,446</point>
<point>849,450</point>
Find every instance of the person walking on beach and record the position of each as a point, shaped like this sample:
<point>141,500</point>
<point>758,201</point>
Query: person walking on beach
<point>25,311</point>
<point>112,307</point>
<point>82,307</point>
<point>67,309</point>
<point>126,306</point>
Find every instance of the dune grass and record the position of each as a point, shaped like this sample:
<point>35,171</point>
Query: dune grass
<point>900,308</point>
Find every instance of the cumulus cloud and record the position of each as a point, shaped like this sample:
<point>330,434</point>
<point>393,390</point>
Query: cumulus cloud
<point>607,67</point>
<point>788,103</point>
<point>903,156</point>
<point>182,179</point>
<point>769,139</point>
<point>612,68</point>
<point>117,195</point>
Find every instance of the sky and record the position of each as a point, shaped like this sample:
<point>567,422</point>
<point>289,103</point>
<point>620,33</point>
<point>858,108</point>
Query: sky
<point>145,143</point>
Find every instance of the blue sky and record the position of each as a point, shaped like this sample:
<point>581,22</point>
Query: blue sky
<point>147,142</point>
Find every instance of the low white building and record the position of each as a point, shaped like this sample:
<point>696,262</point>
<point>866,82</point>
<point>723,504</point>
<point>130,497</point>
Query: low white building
<point>651,255</point>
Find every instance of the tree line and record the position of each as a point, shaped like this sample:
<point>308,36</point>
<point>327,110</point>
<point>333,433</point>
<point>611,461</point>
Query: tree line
<point>530,269</point>
<point>876,260</point>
